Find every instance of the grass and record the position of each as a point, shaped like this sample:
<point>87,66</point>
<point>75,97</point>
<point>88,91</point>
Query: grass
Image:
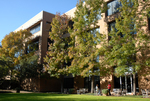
<point>65,97</point>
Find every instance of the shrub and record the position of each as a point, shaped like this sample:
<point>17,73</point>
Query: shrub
<point>105,91</point>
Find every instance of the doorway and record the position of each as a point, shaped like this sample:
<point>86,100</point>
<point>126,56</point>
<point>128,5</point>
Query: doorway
<point>126,82</point>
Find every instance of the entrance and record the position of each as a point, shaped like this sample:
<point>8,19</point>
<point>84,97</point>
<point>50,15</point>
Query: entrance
<point>126,82</point>
<point>87,82</point>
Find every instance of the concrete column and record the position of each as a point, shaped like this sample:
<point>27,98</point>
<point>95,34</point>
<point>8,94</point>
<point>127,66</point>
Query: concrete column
<point>125,82</point>
<point>120,83</point>
<point>40,42</point>
<point>131,82</point>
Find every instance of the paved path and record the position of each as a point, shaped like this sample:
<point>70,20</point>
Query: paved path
<point>13,91</point>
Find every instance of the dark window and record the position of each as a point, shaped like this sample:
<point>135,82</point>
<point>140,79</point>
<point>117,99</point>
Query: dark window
<point>113,7</point>
<point>116,82</point>
<point>49,41</point>
<point>48,26</point>
<point>149,21</point>
<point>133,29</point>
<point>111,26</point>
<point>68,82</point>
<point>35,29</point>
<point>71,24</point>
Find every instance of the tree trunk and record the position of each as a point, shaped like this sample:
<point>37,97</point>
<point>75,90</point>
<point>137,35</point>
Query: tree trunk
<point>92,84</point>
<point>134,84</point>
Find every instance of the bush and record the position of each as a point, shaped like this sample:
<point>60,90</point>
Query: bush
<point>105,91</point>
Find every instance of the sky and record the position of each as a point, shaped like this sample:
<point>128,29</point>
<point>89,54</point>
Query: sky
<point>14,13</point>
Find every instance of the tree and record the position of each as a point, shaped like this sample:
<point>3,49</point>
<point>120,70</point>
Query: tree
<point>27,68</point>
<point>57,58</point>
<point>128,46</point>
<point>4,71</point>
<point>85,39</point>
<point>4,66</point>
<point>14,47</point>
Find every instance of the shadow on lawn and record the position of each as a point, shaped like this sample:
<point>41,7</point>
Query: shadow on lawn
<point>5,92</point>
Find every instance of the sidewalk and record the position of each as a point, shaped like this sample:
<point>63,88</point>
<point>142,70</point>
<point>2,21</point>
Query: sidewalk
<point>13,91</point>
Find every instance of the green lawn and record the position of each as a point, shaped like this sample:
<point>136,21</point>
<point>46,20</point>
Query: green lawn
<point>64,97</point>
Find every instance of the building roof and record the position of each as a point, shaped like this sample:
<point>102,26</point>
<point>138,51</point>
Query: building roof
<point>32,21</point>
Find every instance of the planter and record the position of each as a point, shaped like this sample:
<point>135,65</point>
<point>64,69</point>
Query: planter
<point>105,92</point>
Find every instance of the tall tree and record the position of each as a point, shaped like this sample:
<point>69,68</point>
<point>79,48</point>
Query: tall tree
<point>128,46</point>
<point>57,58</point>
<point>14,47</point>
<point>85,39</point>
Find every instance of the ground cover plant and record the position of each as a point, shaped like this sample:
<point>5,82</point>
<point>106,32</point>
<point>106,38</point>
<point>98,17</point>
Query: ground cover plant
<point>65,97</point>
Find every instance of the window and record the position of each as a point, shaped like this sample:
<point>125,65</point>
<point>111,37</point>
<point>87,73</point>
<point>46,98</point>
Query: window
<point>133,29</point>
<point>34,46</point>
<point>111,26</point>
<point>94,32</point>
<point>149,21</point>
<point>99,15</point>
<point>35,29</point>
<point>97,58</point>
<point>48,26</point>
<point>71,24</point>
<point>113,7</point>
<point>130,3</point>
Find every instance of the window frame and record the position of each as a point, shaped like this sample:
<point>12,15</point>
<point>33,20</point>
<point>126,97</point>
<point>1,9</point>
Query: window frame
<point>35,29</point>
<point>113,12</point>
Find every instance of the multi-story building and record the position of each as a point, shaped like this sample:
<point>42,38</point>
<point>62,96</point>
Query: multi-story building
<point>106,22</point>
<point>39,26</point>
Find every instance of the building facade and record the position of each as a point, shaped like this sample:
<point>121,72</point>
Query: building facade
<point>39,26</point>
<point>105,24</point>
